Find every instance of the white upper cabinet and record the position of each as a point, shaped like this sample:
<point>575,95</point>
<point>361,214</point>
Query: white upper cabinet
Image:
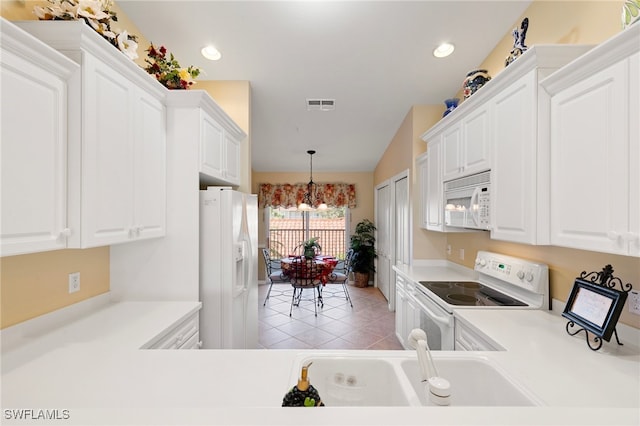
<point>430,181</point>
<point>117,140</point>
<point>466,145</point>
<point>501,127</point>
<point>520,171</point>
<point>595,149</point>
<point>33,82</point>
<point>196,120</point>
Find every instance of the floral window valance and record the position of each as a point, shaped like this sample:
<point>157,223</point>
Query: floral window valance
<point>291,195</point>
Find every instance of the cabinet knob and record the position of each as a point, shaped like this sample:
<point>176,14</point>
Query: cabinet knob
<point>65,233</point>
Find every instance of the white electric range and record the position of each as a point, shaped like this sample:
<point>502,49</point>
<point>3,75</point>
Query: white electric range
<point>504,282</point>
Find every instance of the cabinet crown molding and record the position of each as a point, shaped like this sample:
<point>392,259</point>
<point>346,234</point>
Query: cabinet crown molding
<point>617,48</point>
<point>536,57</point>
<point>202,99</point>
<point>70,37</point>
<point>28,47</point>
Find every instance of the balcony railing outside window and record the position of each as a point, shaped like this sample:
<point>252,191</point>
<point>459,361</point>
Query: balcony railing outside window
<point>283,242</point>
<point>287,229</point>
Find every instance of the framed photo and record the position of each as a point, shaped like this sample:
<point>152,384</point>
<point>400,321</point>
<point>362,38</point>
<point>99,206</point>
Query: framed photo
<point>594,307</point>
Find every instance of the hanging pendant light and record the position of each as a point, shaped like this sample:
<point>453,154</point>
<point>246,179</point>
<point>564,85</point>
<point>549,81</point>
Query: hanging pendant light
<point>308,201</point>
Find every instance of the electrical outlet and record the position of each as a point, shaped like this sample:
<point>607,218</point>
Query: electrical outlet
<point>634,302</point>
<point>74,282</point>
<point>461,254</point>
<point>449,249</point>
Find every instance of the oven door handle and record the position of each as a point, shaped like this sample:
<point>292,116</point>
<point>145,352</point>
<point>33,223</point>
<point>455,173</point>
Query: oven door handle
<point>444,320</point>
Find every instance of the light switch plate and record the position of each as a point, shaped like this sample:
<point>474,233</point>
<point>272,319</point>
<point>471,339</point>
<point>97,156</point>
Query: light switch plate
<point>74,282</point>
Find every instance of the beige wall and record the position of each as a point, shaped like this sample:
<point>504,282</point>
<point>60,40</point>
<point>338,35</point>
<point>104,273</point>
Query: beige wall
<point>549,22</point>
<point>364,195</point>
<point>399,156</point>
<point>35,284</point>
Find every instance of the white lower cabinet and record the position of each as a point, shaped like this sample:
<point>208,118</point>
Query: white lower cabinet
<point>182,335</point>
<point>595,149</point>
<point>117,140</point>
<point>34,85</point>
<point>469,339</point>
<point>407,314</point>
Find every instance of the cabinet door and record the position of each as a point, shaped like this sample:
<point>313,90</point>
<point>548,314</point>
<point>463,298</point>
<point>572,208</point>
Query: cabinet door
<point>232,159</point>
<point>434,187</point>
<point>590,162</point>
<point>634,156</point>
<point>107,155</point>
<point>451,152</point>
<point>513,184</point>
<point>211,147</point>
<point>476,149</point>
<point>421,169</point>
<point>149,184</point>
<point>33,158</point>
<point>401,301</point>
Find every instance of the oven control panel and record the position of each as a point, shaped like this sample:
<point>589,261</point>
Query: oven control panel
<point>530,276</point>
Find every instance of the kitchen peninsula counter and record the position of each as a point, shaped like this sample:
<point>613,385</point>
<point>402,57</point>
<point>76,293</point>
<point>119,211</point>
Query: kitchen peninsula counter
<point>93,367</point>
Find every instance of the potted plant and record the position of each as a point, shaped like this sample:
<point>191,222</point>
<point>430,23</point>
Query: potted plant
<point>310,247</point>
<point>364,252</point>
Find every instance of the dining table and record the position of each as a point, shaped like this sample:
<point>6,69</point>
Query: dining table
<point>324,266</point>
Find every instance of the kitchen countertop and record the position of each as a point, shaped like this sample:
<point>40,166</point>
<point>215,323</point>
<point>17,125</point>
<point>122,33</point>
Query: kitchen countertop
<point>93,367</point>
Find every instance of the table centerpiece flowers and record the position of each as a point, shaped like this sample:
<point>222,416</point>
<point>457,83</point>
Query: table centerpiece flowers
<point>95,13</point>
<point>167,70</point>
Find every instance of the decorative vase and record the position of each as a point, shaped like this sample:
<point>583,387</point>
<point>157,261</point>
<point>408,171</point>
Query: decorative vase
<point>518,42</point>
<point>451,104</point>
<point>630,13</point>
<point>474,80</point>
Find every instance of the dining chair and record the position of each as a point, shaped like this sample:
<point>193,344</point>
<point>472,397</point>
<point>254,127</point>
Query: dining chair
<point>341,273</point>
<point>273,272</point>
<point>306,274</point>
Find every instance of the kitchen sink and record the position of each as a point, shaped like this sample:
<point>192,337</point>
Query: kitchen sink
<point>474,382</point>
<point>355,381</point>
<point>359,379</point>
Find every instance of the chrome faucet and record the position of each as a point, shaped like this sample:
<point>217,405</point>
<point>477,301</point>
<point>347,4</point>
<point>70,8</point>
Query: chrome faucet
<point>437,389</point>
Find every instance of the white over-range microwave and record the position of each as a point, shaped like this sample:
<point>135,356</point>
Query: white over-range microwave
<point>467,202</point>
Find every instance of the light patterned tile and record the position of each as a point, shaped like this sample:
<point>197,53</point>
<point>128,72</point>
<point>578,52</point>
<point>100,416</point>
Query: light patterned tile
<point>291,343</point>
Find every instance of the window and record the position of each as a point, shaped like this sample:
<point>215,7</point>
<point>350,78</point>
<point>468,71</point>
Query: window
<point>287,228</point>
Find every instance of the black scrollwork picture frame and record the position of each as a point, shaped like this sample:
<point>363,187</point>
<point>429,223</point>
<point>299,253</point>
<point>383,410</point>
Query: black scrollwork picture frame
<point>595,308</point>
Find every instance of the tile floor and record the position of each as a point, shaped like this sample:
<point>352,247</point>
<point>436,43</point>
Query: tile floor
<point>368,325</point>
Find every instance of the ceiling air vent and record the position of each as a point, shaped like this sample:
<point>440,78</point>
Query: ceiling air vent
<point>321,104</point>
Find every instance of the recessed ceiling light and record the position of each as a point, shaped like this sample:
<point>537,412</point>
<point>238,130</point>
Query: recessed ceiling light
<point>211,53</point>
<point>445,49</point>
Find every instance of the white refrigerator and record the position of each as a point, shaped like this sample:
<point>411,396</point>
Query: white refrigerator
<point>228,269</point>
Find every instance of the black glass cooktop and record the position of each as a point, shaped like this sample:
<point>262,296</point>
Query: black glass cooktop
<point>469,293</point>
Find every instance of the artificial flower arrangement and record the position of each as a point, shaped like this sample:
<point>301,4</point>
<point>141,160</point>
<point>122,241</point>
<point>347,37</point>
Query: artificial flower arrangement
<point>167,70</point>
<point>97,14</point>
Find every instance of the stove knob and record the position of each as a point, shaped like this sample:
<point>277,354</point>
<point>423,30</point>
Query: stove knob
<point>529,277</point>
<point>483,262</point>
<point>520,274</point>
